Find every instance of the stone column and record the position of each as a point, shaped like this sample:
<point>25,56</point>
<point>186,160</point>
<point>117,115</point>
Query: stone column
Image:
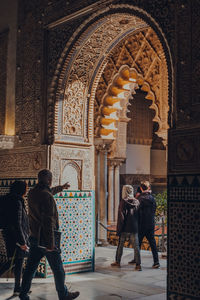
<point>103,198</point>
<point>110,193</point>
<point>101,191</point>
<point>116,190</point>
<point>97,193</point>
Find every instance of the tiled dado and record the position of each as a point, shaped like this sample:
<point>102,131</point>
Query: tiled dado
<point>184,237</point>
<point>76,217</point>
<point>6,182</point>
<point>184,188</point>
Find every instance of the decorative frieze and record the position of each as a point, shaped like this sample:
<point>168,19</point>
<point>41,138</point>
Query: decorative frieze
<point>23,162</point>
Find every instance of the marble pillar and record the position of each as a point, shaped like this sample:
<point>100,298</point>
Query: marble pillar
<point>116,191</point>
<point>111,215</point>
<point>103,198</point>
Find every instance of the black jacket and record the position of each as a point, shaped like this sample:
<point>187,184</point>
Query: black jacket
<point>43,214</point>
<point>147,211</point>
<point>16,227</point>
<point>127,216</point>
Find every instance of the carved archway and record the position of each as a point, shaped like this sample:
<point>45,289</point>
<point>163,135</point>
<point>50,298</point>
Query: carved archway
<point>116,99</point>
<point>78,74</point>
<point>138,60</point>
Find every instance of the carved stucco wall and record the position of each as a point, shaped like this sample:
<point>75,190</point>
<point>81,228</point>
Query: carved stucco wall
<point>41,21</point>
<point>80,69</point>
<point>24,162</point>
<point>84,158</point>
<point>3,73</point>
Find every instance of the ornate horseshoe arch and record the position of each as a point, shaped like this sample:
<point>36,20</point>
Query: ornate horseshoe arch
<point>116,99</point>
<point>74,85</point>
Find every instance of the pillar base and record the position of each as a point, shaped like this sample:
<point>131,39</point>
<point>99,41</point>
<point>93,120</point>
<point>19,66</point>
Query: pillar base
<point>102,243</point>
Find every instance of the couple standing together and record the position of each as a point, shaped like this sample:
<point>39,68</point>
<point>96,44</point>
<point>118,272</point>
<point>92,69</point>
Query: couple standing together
<point>136,221</point>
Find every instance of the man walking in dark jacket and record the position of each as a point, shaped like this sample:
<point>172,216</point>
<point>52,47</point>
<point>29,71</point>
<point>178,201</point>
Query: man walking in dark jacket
<point>127,225</point>
<point>16,229</point>
<point>43,218</point>
<point>147,219</point>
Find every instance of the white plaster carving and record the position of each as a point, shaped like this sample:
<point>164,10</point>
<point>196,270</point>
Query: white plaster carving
<point>6,142</point>
<point>73,108</point>
<point>70,175</point>
<point>86,155</point>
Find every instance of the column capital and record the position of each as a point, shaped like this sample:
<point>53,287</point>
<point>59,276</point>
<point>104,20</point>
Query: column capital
<point>103,145</point>
<point>115,162</point>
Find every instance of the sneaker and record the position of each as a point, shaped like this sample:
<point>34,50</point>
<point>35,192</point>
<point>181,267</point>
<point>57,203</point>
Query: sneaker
<point>138,268</point>
<point>156,265</point>
<point>115,264</point>
<point>71,296</point>
<point>132,262</point>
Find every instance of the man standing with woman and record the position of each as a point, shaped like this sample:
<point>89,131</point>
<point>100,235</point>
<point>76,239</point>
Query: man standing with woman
<point>147,221</point>
<point>127,225</point>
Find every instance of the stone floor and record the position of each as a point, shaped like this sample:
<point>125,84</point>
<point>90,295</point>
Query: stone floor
<point>106,283</point>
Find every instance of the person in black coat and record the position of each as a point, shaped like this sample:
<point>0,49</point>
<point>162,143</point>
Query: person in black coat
<point>16,228</point>
<point>147,219</point>
<point>127,225</point>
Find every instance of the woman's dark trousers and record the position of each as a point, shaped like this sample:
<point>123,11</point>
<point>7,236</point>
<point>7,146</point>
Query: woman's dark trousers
<point>133,237</point>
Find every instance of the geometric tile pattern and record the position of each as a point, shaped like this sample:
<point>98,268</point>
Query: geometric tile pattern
<point>184,236</point>
<point>6,182</point>
<point>184,188</point>
<point>76,217</point>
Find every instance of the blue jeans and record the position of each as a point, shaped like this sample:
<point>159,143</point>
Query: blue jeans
<point>133,237</point>
<point>55,262</point>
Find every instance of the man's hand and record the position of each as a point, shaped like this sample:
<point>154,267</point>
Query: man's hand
<point>23,247</point>
<point>50,249</point>
<point>66,185</point>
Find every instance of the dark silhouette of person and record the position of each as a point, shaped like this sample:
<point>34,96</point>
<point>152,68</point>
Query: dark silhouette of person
<point>127,225</point>
<point>147,211</point>
<point>16,229</point>
<point>44,236</point>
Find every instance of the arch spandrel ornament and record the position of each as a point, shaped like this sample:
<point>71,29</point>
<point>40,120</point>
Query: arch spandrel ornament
<point>79,69</point>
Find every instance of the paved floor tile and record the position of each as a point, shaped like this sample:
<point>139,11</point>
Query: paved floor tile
<point>106,283</point>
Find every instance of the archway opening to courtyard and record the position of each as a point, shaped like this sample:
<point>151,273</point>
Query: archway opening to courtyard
<point>131,122</point>
<point>116,57</point>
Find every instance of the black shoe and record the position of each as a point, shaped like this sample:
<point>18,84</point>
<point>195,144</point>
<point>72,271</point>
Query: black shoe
<point>156,265</point>
<point>138,268</point>
<point>71,296</point>
<point>132,262</point>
